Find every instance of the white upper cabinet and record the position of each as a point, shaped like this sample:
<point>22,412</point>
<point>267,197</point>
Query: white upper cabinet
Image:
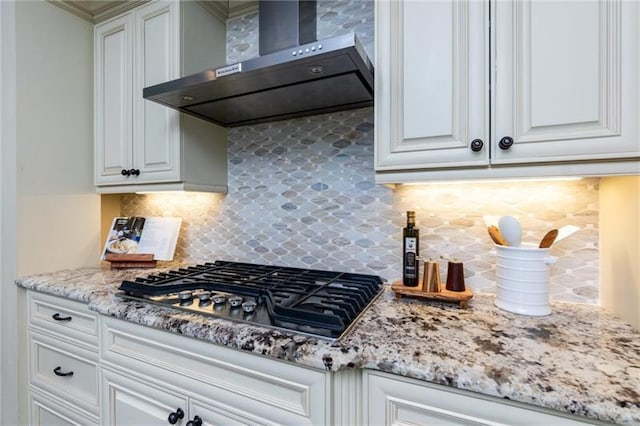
<point>139,144</point>
<point>156,128</point>
<point>113,99</point>
<point>432,85</point>
<point>566,80</point>
<point>553,91</point>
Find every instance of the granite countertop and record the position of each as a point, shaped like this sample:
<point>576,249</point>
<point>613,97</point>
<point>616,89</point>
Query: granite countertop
<point>579,359</point>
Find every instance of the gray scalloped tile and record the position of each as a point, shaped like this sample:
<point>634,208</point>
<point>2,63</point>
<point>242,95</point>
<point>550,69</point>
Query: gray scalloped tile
<point>302,193</point>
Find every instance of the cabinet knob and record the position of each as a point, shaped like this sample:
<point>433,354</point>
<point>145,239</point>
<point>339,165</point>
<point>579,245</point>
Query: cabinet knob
<point>175,416</point>
<point>134,172</point>
<point>57,317</point>
<point>476,145</point>
<point>58,372</point>
<point>197,421</point>
<point>506,142</point>
<point>125,172</point>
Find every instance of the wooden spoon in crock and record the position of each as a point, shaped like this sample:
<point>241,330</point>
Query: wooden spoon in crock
<point>548,239</point>
<point>496,236</point>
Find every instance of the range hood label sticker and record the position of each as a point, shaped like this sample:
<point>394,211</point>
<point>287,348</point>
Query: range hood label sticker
<point>229,69</point>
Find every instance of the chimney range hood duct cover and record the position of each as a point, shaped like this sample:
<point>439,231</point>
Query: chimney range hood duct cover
<point>303,79</point>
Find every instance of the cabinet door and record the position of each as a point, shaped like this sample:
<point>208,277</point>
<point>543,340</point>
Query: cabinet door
<point>566,80</point>
<point>214,413</point>
<point>113,131</point>
<point>126,401</point>
<point>395,400</point>
<point>432,85</point>
<point>157,128</point>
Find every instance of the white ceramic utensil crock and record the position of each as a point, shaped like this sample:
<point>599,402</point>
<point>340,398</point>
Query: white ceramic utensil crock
<point>522,275</point>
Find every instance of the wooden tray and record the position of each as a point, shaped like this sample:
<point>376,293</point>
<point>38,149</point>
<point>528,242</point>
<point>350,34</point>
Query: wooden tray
<point>459,297</point>
<point>136,260</point>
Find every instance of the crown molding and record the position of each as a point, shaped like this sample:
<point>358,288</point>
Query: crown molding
<point>110,11</point>
<point>221,9</point>
<point>113,8</point>
<point>225,9</point>
<point>217,8</point>
<point>239,8</point>
<point>73,8</point>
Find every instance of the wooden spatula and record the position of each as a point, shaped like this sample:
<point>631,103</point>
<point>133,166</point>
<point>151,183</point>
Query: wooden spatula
<point>496,236</point>
<point>548,239</point>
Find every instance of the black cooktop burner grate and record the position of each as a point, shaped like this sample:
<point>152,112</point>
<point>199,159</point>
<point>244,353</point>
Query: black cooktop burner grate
<point>320,303</point>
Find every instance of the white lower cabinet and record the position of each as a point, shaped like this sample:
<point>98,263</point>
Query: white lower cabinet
<point>60,368</point>
<point>62,362</point>
<point>395,400</point>
<point>47,411</point>
<point>213,414</point>
<point>148,374</point>
<point>129,374</point>
<point>131,401</point>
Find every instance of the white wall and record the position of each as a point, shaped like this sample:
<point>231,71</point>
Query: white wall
<point>8,292</point>
<point>49,213</point>
<point>620,246</point>
<point>59,212</point>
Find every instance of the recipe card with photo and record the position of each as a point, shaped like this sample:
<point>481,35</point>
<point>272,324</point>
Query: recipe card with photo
<point>157,235</point>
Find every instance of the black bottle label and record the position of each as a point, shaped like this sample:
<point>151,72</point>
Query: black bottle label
<point>410,267</point>
<point>410,257</point>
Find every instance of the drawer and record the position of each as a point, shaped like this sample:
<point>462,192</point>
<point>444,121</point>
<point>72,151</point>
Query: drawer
<point>44,410</point>
<point>66,317</point>
<point>64,370</point>
<point>298,391</point>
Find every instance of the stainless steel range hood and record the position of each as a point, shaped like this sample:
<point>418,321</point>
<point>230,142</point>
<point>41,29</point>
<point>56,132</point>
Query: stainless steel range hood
<point>289,79</point>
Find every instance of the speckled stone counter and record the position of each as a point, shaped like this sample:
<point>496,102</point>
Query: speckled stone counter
<point>578,359</point>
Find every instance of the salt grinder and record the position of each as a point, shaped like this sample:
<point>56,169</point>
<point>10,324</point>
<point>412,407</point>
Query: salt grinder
<point>431,276</point>
<point>455,276</point>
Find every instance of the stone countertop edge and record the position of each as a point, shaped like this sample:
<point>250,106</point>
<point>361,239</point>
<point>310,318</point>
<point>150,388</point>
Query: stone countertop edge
<point>578,360</point>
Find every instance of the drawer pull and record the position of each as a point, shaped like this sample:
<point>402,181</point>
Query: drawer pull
<point>197,421</point>
<point>57,372</point>
<point>175,416</point>
<point>57,317</point>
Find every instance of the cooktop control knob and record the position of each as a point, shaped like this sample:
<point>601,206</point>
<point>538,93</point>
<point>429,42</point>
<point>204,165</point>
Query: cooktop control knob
<point>219,299</point>
<point>204,298</point>
<point>235,301</point>
<point>249,306</point>
<point>185,298</point>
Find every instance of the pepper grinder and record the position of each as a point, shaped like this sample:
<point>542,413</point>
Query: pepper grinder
<point>431,276</point>
<point>455,276</point>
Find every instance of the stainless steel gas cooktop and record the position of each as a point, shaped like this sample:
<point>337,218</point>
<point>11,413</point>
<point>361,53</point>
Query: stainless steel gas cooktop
<point>323,304</point>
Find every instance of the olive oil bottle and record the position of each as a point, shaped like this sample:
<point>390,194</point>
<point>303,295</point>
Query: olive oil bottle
<point>410,251</point>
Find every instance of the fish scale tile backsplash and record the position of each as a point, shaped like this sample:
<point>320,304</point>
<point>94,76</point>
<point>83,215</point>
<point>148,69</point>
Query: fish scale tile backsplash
<point>302,193</point>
